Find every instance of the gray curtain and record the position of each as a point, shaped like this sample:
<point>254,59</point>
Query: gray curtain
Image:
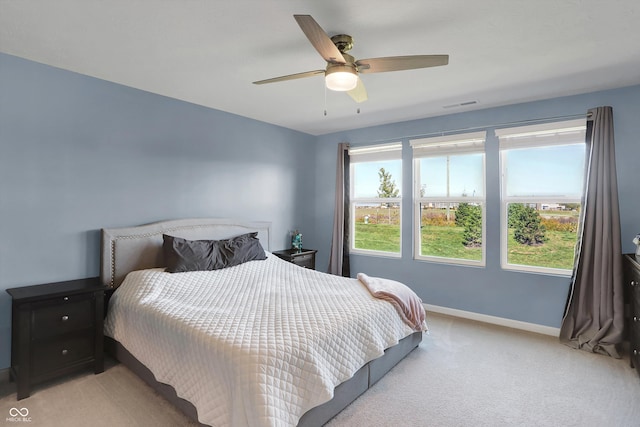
<point>594,318</point>
<point>339,256</point>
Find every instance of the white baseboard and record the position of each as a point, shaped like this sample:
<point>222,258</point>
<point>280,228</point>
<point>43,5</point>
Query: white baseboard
<point>509,323</point>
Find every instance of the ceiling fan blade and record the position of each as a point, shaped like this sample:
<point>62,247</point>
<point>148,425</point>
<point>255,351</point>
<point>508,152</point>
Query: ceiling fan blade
<point>319,39</point>
<point>399,63</point>
<point>289,77</point>
<point>359,93</point>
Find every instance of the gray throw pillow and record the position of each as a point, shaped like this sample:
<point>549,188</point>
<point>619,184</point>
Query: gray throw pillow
<point>182,255</point>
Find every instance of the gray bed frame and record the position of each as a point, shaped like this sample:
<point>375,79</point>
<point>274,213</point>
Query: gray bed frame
<point>136,248</point>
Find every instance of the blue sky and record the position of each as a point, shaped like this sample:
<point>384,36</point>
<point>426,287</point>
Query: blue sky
<point>366,180</point>
<point>546,171</point>
<point>554,171</point>
<point>465,176</point>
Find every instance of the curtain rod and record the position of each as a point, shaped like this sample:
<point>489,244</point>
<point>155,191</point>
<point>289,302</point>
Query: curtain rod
<point>495,125</point>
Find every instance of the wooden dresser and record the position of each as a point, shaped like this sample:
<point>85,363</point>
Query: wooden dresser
<point>632,291</point>
<point>56,328</point>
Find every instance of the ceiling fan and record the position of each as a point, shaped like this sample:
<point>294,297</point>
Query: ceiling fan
<point>342,70</point>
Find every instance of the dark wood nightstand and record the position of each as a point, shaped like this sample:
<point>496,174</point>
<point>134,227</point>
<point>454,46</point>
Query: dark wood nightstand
<point>305,258</point>
<point>56,328</point>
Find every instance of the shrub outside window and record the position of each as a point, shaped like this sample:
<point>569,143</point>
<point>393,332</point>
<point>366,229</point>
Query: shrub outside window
<point>542,179</point>
<point>449,198</point>
<point>376,199</point>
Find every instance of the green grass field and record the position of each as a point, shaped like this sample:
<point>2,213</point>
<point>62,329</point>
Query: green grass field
<point>378,237</point>
<point>446,242</point>
<point>557,252</point>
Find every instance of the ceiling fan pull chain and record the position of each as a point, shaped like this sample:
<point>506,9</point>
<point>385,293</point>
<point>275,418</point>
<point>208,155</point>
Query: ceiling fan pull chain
<point>325,100</point>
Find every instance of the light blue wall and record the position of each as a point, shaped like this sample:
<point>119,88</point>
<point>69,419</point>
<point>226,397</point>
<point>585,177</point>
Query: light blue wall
<point>490,290</point>
<point>78,154</point>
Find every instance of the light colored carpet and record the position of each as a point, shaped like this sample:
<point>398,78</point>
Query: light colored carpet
<point>463,374</point>
<point>114,398</point>
<point>473,374</point>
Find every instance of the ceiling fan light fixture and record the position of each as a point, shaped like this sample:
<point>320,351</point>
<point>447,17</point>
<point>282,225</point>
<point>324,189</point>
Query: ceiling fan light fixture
<point>342,70</point>
<point>341,78</point>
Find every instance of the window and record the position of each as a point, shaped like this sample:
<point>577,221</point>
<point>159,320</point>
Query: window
<point>542,175</point>
<point>449,198</point>
<point>376,199</point>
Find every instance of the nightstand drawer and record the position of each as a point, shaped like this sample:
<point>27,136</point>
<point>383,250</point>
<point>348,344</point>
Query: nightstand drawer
<point>56,328</point>
<point>49,320</point>
<point>633,272</point>
<point>51,355</point>
<point>305,258</point>
<point>307,261</point>
<point>634,290</point>
<point>635,354</point>
<point>635,357</point>
<point>634,333</point>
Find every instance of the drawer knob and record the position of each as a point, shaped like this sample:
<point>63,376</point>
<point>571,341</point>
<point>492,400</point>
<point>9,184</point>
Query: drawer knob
<point>635,318</point>
<point>64,352</point>
<point>633,283</point>
<point>66,298</point>
<point>65,318</point>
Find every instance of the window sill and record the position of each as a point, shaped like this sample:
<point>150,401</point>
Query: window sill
<point>379,254</point>
<point>557,272</point>
<point>450,261</point>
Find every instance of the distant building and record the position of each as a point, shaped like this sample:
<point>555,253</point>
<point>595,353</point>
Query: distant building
<point>551,207</point>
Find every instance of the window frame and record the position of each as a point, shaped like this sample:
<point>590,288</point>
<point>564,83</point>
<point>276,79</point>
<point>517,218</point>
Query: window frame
<point>450,145</point>
<point>551,134</point>
<point>370,154</point>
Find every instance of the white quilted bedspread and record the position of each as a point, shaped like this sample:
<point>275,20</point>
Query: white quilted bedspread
<point>258,344</point>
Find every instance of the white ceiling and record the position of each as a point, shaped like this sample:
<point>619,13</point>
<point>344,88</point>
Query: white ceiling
<point>209,52</point>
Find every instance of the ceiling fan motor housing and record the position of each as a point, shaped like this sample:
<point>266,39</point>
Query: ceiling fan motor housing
<point>343,42</point>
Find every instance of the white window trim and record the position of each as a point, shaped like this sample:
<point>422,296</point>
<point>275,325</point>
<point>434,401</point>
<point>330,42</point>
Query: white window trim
<point>372,153</point>
<point>458,144</point>
<point>540,135</point>
<point>504,236</point>
<point>450,144</point>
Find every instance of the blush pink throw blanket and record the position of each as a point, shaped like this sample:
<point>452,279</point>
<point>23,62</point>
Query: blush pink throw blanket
<point>407,303</point>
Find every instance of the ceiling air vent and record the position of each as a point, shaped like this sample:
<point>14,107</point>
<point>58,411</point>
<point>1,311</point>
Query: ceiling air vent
<point>461,104</point>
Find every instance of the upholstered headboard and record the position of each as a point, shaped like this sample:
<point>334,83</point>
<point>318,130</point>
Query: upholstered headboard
<point>137,248</point>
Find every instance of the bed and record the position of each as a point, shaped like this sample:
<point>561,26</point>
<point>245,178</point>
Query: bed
<point>316,361</point>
